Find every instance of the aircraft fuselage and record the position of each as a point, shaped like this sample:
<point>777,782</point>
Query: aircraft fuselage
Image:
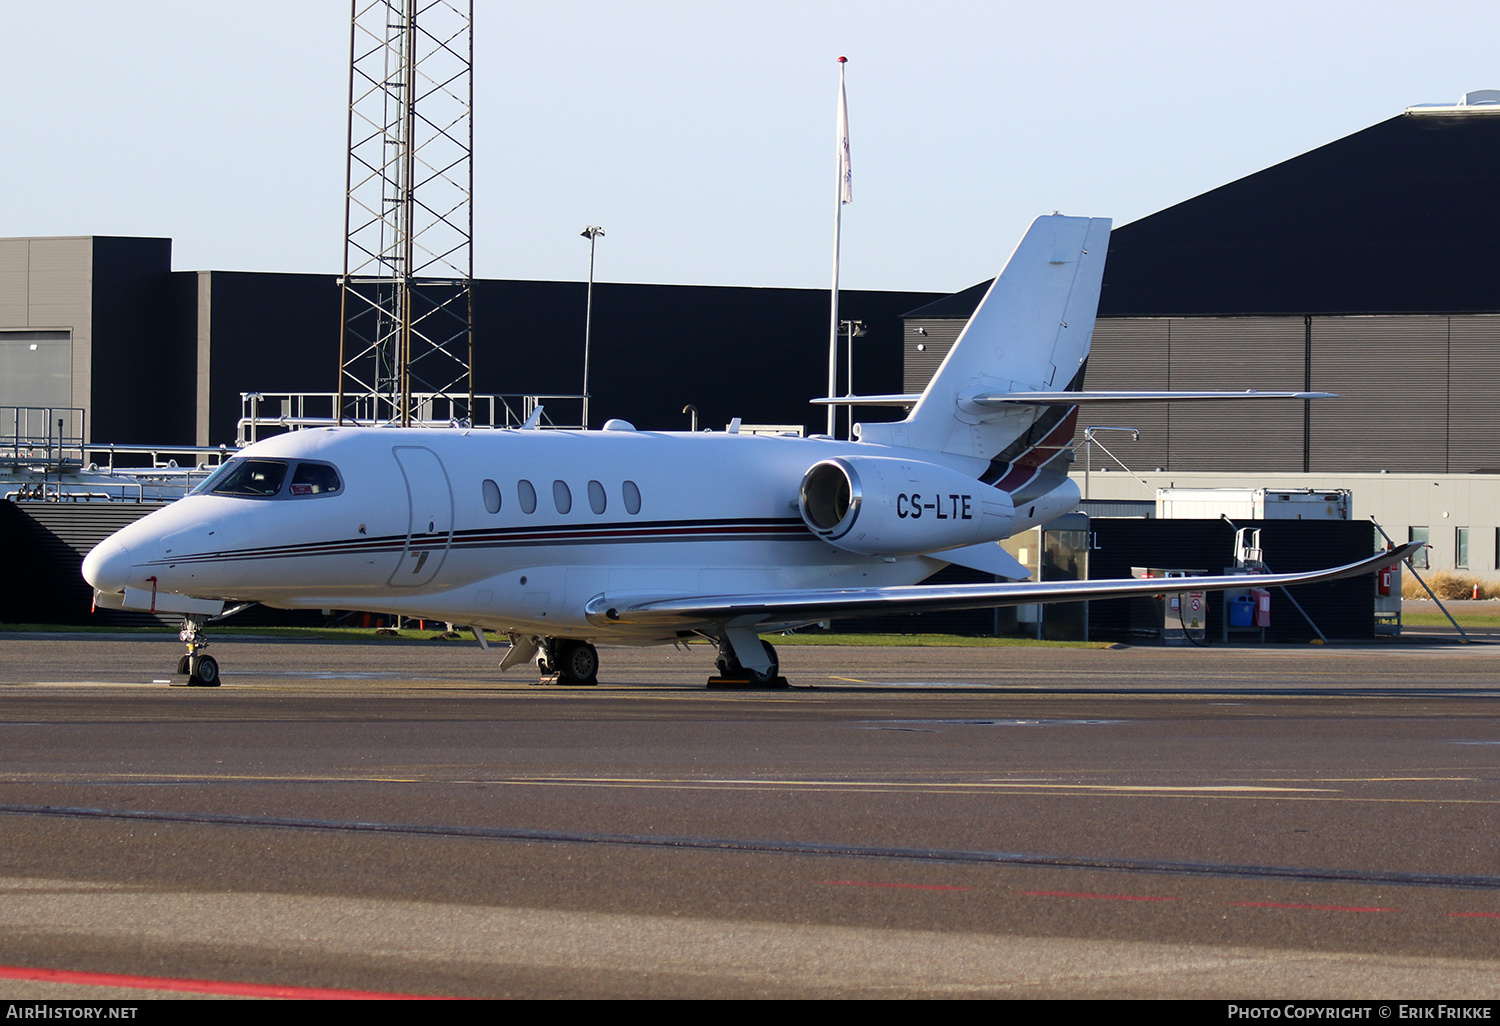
<point>519,529</point>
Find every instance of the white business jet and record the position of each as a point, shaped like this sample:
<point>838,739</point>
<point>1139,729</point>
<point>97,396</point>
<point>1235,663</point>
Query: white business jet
<point>565,539</point>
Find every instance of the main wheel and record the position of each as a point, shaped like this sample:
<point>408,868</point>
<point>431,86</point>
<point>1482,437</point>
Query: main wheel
<point>577,663</point>
<point>730,667</point>
<point>204,671</point>
<point>771,673</point>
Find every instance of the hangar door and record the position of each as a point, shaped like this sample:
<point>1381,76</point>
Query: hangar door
<point>36,367</point>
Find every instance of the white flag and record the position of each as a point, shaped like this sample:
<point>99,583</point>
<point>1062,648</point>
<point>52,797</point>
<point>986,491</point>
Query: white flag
<point>846,186</point>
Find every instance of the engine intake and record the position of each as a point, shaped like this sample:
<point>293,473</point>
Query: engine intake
<point>882,506</point>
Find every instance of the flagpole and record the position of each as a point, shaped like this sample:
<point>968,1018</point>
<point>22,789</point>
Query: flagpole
<point>842,194</point>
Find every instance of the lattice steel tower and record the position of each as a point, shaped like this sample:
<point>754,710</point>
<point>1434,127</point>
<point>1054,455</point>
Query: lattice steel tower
<point>406,348</point>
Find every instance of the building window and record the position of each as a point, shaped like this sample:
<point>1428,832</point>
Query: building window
<point>1419,534</point>
<point>1461,547</point>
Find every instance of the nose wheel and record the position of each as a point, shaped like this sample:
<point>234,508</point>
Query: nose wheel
<point>197,669</point>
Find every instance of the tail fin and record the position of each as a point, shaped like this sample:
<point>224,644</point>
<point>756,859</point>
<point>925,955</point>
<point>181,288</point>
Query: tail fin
<point>1031,333</point>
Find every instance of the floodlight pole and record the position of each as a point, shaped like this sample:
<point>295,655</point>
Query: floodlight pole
<point>592,233</point>
<point>852,331</point>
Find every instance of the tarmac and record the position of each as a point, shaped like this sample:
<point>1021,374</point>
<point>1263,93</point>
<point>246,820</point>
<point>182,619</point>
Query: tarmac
<point>397,817</point>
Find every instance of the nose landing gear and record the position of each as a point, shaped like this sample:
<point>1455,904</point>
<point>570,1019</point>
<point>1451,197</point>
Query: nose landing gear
<point>197,669</point>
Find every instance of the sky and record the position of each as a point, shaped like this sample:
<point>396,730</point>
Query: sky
<point>700,136</point>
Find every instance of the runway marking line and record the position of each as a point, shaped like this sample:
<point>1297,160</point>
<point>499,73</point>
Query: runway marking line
<point>1104,897</point>
<point>1374,780</point>
<point>901,886</point>
<point>219,987</point>
<point>995,788</point>
<point>1241,905</point>
<point>977,785</point>
<point>1318,908</point>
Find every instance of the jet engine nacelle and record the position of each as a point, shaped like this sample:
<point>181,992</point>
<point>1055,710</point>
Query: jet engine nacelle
<point>882,506</point>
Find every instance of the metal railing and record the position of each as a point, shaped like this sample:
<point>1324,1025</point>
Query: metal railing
<point>187,458</point>
<point>44,458</point>
<point>41,436</point>
<point>263,414</point>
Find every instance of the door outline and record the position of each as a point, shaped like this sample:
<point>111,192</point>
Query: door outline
<point>427,544</point>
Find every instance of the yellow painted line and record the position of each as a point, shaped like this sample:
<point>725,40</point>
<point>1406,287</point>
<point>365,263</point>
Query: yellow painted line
<point>851,680</point>
<point>971,786</point>
<point>1059,790</point>
<point>955,788</point>
<point>1377,780</point>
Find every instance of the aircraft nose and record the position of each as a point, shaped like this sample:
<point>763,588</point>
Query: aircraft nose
<point>107,567</point>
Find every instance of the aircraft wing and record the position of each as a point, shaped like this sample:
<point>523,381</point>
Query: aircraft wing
<point>834,603</point>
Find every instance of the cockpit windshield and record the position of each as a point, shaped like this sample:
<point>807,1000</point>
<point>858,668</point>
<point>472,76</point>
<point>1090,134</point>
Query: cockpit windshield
<point>260,478</point>
<point>263,479</point>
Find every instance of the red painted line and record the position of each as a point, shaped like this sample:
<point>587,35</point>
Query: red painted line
<point>903,886</point>
<point>1485,915</point>
<point>1107,897</point>
<point>224,988</point>
<point>1320,908</point>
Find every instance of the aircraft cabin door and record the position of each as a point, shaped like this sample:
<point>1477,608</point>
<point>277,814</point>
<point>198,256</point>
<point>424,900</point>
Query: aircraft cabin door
<point>429,530</point>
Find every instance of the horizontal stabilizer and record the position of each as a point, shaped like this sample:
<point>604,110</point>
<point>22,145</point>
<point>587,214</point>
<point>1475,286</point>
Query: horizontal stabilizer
<point>869,400</point>
<point>1000,399</point>
<point>831,603</point>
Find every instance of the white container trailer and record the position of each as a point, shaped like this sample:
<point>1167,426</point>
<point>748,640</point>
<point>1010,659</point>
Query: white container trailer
<point>1254,503</point>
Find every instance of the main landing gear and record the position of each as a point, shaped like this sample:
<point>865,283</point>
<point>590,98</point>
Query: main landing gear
<point>197,669</point>
<point>568,663</point>
<point>746,662</point>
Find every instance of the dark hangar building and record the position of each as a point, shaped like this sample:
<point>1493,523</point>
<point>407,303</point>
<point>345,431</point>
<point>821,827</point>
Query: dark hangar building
<point>1369,267</point>
<point>157,356</point>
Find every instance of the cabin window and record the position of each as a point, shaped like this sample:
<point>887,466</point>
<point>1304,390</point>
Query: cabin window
<point>561,497</point>
<point>597,499</point>
<point>491,496</point>
<point>314,479</point>
<point>527,495</point>
<point>259,479</point>
<point>632,498</point>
